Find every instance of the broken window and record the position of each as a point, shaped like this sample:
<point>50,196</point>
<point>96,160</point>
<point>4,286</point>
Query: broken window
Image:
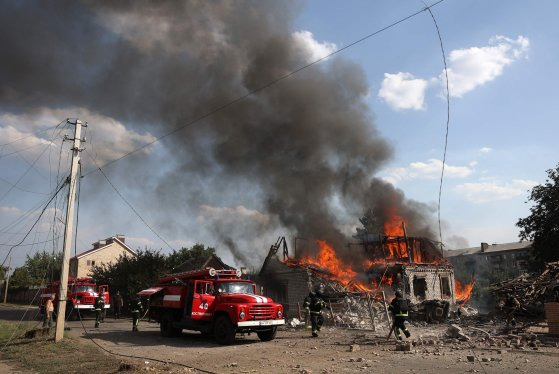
<point>445,287</point>
<point>419,287</point>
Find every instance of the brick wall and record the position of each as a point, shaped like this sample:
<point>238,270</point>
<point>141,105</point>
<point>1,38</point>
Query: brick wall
<point>108,254</point>
<point>433,281</point>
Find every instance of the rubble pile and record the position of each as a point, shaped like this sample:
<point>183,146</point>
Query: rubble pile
<point>532,289</point>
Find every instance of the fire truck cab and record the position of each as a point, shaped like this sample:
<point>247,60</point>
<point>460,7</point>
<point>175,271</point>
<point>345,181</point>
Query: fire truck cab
<point>80,297</point>
<point>214,302</point>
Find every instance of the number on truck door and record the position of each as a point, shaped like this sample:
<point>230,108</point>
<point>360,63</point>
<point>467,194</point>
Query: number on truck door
<point>203,300</point>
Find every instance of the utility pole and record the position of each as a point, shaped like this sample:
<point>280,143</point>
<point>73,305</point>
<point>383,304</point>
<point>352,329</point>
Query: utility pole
<point>68,231</point>
<point>7,280</point>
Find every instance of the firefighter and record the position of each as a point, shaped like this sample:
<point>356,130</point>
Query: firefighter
<point>98,306</point>
<point>399,309</point>
<point>117,304</point>
<point>511,306</point>
<point>313,305</point>
<point>136,309</point>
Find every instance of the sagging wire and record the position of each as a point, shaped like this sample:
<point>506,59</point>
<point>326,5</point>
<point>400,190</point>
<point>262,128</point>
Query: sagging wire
<point>228,104</point>
<point>36,221</point>
<point>78,312</point>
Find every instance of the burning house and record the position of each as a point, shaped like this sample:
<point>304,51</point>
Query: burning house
<point>380,266</point>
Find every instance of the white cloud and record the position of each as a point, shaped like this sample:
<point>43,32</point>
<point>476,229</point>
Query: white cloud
<point>403,91</point>
<point>427,170</point>
<point>472,67</point>
<point>10,210</point>
<point>485,150</point>
<point>310,48</point>
<point>484,192</point>
<point>108,139</point>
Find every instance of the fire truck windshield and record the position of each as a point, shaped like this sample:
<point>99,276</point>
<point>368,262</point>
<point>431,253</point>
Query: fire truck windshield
<point>84,289</point>
<point>234,287</point>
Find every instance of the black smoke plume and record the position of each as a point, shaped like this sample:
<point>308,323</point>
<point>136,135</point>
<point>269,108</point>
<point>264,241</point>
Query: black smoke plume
<point>304,152</point>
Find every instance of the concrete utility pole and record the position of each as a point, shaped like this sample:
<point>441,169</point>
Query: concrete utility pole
<point>7,280</point>
<point>68,231</point>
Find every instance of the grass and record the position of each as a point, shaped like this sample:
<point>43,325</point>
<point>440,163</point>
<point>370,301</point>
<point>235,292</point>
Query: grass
<point>42,355</point>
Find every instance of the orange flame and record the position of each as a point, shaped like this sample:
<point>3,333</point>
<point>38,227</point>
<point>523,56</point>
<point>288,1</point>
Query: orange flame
<point>463,292</point>
<point>341,272</point>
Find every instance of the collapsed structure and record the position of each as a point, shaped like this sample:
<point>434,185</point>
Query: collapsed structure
<point>361,290</point>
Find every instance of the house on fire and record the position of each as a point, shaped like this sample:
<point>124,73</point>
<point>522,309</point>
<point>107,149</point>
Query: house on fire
<point>413,265</point>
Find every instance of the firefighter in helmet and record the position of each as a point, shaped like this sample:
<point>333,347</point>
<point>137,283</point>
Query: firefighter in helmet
<point>399,308</point>
<point>99,306</point>
<point>313,305</point>
<point>136,309</point>
<point>512,305</point>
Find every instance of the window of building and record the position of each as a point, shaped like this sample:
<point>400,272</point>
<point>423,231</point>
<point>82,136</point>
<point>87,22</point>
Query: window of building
<point>90,262</point>
<point>419,288</point>
<point>445,287</point>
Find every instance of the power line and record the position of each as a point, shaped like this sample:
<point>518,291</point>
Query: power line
<point>33,134</point>
<point>261,88</point>
<point>30,166</point>
<point>130,205</point>
<point>447,123</point>
<point>35,223</point>
<point>32,244</point>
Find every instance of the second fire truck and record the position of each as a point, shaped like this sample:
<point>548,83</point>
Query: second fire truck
<point>80,297</point>
<point>216,302</point>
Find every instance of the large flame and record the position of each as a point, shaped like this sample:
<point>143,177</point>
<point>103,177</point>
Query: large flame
<point>339,271</point>
<point>463,292</point>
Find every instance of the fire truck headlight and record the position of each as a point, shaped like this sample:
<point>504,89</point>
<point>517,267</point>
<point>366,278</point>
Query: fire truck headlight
<point>279,313</point>
<point>242,314</point>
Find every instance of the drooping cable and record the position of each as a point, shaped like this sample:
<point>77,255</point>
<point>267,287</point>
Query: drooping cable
<point>447,123</point>
<point>35,223</point>
<point>129,204</point>
<point>261,88</point>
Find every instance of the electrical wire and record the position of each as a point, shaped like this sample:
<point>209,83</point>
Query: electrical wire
<point>79,316</point>
<point>33,134</point>
<point>447,121</point>
<point>31,244</point>
<point>34,224</point>
<point>30,165</point>
<point>261,88</point>
<point>129,204</point>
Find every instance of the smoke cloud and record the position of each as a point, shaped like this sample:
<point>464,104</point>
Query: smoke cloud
<point>303,152</point>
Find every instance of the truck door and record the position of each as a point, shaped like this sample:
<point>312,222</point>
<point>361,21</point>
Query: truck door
<point>203,300</point>
<point>189,298</point>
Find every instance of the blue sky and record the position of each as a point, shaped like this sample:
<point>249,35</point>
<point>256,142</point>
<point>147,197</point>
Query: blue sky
<point>501,58</point>
<point>502,133</point>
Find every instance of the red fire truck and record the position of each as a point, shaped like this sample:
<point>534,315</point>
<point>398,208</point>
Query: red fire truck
<point>214,302</point>
<point>81,295</point>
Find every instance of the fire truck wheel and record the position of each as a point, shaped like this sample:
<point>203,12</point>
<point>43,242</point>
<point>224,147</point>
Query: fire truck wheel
<point>166,327</point>
<point>224,331</point>
<point>267,335</point>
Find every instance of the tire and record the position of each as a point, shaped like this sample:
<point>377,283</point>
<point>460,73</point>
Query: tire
<point>224,331</point>
<point>166,327</point>
<point>267,335</point>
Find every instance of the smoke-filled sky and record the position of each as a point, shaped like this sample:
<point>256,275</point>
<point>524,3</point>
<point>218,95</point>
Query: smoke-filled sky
<point>304,157</point>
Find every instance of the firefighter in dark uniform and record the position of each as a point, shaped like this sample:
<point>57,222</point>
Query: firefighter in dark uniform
<point>98,306</point>
<point>136,309</point>
<point>399,309</point>
<point>313,305</point>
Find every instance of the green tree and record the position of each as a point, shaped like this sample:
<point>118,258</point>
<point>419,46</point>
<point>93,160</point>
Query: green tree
<point>193,256</point>
<point>542,225</point>
<point>20,278</point>
<point>37,270</point>
<point>131,274</point>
